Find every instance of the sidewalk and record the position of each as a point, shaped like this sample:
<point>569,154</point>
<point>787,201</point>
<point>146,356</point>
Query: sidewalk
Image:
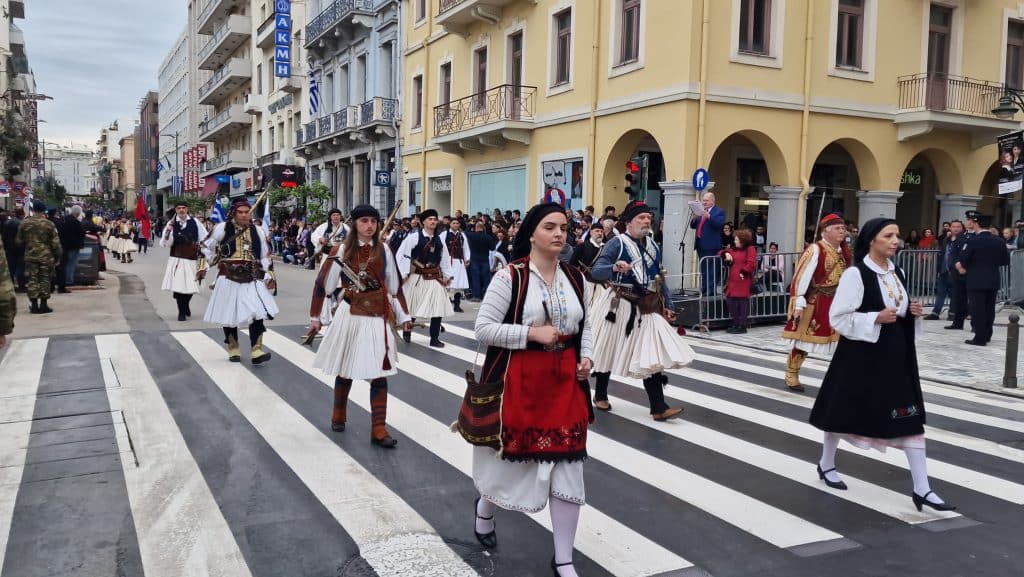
<point>942,355</point>
<point>87,310</point>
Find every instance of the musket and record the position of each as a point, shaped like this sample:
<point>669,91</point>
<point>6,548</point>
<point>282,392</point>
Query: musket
<point>387,223</point>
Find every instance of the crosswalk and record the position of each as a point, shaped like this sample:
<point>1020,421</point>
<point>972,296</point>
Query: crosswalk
<point>230,470</point>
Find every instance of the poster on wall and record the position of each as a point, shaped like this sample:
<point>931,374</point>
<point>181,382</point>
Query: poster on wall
<point>563,183</point>
<point>1011,161</point>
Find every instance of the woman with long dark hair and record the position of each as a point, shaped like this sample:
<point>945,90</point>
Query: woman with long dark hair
<point>360,343</point>
<point>534,324</point>
<point>871,395</point>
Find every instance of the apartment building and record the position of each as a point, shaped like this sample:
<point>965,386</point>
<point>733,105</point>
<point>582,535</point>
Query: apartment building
<point>350,141</point>
<point>128,174</point>
<point>110,164</point>
<point>876,106</point>
<point>72,166</point>
<point>175,130</point>
<point>147,149</point>
<point>17,88</point>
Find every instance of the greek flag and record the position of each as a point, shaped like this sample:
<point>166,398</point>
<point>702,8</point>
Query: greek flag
<point>176,182</point>
<point>314,92</point>
<point>219,210</point>
<point>159,167</point>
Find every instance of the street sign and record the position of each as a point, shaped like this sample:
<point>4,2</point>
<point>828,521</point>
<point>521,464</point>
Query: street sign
<point>282,39</point>
<point>382,178</point>
<point>700,179</point>
<point>283,6</point>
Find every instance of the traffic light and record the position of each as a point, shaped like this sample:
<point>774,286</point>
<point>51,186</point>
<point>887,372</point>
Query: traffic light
<point>636,178</point>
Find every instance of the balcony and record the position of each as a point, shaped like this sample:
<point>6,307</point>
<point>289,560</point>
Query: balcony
<point>355,124</point>
<point>378,116</point>
<point>253,103</point>
<point>265,33</point>
<point>225,123</point>
<point>930,102</point>
<point>489,119</point>
<point>271,158</point>
<point>292,84</point>
<point>228,78</point>
<point>17,40</point>
<point>457,15</point>
<point>338,20</point>
<point>215,11</point>
<point>226,39</point>
<point>229,162</point>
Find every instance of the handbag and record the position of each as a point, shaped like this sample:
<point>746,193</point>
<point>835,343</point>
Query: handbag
<point>479,420</point>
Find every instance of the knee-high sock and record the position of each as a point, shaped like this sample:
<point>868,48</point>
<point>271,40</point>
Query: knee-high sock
<point>485,509</point>
<point>341,390</point>
<point>181,305</point>
<point>435,328</point>
<point>829,446</point>
<point>186,299</point>
<point>256,330</point>
<point>565,517</point>
<point>601,386</point>
<point>379,407</point>
<point>918,460</point>
<point>654,385</point>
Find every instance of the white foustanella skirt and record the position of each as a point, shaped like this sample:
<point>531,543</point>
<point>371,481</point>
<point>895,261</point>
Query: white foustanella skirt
<point>238,304</point>
<point>426,298</point>
<point>180,276</point>
<point>610,339</point>
<point>526,486</point>
<point>654,346</point>
<point>355,346</point>
<point>460,280</point>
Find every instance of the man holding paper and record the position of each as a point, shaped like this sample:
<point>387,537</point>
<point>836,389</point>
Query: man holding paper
<point>708,226</point>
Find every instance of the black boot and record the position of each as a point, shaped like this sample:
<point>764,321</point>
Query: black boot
<point>601,391</point>
<point>458,302</point>
<point>660,411</point>
<point>435,332</point>
<point>43,307</point>
<point>187,299</point>
<point>33,306</point>
<point>407,335</point>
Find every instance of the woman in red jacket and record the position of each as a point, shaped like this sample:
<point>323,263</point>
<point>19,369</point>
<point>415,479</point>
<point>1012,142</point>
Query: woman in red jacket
<point>741,259</point>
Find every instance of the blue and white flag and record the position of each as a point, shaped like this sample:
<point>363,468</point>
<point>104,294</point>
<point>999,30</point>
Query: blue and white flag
<point>220,210</point>
<point>314,92</point>
<point>159,167</point>
<point>176,182</point>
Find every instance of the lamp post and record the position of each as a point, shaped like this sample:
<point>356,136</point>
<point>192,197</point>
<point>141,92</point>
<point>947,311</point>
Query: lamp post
<point>1010,103</point>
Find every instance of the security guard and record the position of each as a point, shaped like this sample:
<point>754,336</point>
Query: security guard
<point>981,257</point>
<point>957,280</point>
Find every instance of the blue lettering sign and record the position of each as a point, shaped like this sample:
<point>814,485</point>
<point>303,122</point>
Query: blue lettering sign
<point>283,38</point>
<point>283,22</point>
<point>283,70</point>
<point>283,6</point>
<point>282,54</point>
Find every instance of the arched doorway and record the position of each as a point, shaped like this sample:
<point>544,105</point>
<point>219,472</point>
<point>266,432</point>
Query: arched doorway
<point>743,164</point>
<point>836,180</point>
<point>633,144</point>
<point>1004,209</point>
<point>919,184</point>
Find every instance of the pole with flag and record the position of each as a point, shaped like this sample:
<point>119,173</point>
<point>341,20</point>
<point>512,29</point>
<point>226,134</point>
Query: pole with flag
<point>219,213</point>
<point>142,215</point>
<point>314,91</point>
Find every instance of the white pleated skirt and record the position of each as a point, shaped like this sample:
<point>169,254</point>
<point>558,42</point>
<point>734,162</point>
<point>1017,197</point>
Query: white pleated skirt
<point>610,339</point>
<point>180,276</point>
<point>654,346</point>
<point>114,244</point>
<point>354,347</point>
<point>460,280</point>
<point>426,298</point>
<point>128,245</point>
<point>526,486</point>
<point>238,304</point>
<point>820,349</point>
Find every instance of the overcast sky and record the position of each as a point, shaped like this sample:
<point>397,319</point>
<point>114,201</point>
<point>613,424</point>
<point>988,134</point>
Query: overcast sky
<point>97,59</point>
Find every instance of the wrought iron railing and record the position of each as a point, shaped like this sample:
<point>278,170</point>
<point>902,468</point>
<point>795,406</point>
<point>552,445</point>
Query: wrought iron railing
<point>299,140</point>
<point>220,118</point>
<point>341,119</point>
<point>946,93</point>
<point>218,35</point>
<point>210,7</point>
<point>324,125</point>
<point>447,5</point>
<point>505,102</point>
<point>333,14</point>
<point>310,131</point>
<point>378,109</point>
<point>217,163</point>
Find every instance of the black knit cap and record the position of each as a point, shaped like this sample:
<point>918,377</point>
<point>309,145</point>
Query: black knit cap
<point>181,202</point>
<point>427,214</point>
<point>635,209</point>
<point>868,232</point>
<point>364,210</point>
<point>333,211</point>
<point>531,221</point>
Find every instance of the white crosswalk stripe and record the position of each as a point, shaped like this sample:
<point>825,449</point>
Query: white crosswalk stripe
<point>182,531</point>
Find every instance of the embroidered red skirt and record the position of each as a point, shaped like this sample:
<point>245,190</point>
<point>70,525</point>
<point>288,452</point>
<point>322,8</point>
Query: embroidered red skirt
<point>544,411</point>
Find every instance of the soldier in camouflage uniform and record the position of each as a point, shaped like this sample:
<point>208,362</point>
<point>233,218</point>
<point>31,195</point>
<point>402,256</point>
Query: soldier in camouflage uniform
<point>8,304</point>
<point>42,252</point>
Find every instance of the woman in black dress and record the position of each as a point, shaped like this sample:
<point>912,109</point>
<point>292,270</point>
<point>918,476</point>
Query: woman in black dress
<point>871,394</point>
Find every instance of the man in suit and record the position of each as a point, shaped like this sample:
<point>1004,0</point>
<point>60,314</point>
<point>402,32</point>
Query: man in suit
<point>708,227</point>
<point>980,260</point>
<point>958,307</point>
<point>949,252</point>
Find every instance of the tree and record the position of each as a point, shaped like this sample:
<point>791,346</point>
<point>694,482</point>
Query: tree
<point>15,138</point>
<point>52,192</point>
<point>312,200</point>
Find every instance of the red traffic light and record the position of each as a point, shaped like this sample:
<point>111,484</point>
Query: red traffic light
<point>632,166</point>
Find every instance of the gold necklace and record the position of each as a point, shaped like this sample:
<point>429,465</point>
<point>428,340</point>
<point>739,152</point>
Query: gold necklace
<point>894,292</point>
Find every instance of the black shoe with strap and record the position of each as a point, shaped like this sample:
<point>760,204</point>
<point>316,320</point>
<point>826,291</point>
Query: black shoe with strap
<point>489,540</point>
<point>833,484</point>
<point>555,566</point>
<point>920,501</point>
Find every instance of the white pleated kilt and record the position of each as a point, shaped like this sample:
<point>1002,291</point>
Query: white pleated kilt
<point>238,304</point>
<point>426,298</point>
<point>654,346</point>
<point>115,244</point>
<point>526,486</point>
<point>180,276</point>
<point>354,347</point>
<point>595,293</point>
<point>460,280</point>
<point>609,337</point>
<point>128,245</point>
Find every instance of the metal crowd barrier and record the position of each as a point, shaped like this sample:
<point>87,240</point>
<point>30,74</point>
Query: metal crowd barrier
<point>921,269</point>
<point>771,287</point>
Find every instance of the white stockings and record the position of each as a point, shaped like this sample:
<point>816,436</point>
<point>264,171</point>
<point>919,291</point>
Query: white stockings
<point>565,517</point>
<point>829,446</point>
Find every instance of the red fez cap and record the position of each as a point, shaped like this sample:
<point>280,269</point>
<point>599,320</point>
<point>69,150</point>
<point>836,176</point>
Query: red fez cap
<point>830,219</point>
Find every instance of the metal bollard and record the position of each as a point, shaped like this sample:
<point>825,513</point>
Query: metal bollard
<point>1012,341</point>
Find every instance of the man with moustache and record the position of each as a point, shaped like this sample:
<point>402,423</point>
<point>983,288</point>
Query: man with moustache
<point>184,234</point>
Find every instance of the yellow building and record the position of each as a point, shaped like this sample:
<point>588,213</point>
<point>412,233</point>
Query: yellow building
<point>876,106</point>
